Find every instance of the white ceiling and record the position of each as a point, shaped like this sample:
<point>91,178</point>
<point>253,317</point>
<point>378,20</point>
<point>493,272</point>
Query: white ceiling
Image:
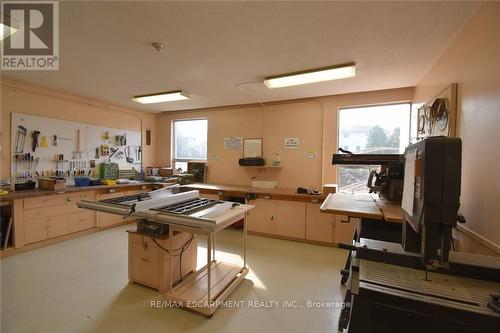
<point>211,48</point>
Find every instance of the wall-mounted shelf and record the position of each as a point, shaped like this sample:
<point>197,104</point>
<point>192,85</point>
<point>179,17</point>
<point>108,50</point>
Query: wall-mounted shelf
<point>261,166</point>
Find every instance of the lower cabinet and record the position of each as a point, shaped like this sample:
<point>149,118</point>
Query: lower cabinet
<point>105,219</point>
<point>320,227</point>
<point>55,215</point>
<point>82,221</point>
<point>344,228</point>
<point>290,219</point>
<point>35,230</point>
<point>149,264</point>
<point>300,220</point>
<point>262,218</point>
<point>58,225</point>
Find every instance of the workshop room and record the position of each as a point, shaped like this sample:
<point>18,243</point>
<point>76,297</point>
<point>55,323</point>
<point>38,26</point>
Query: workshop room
<point>249,166</point>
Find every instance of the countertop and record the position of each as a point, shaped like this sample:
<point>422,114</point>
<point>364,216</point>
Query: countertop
<point>70,189</point>
<point>237,190</point>
<point>363,206</point>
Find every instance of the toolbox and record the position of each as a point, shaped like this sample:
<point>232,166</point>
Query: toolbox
<point>51,183</point>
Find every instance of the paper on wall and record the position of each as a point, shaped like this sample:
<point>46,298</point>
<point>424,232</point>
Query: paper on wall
<point>291,143</point>
<point>233,142</point>
<point>409,183</point>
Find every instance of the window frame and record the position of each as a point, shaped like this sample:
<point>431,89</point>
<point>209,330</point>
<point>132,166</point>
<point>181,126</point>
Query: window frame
<point>410,124</point>
<point>172,140</point>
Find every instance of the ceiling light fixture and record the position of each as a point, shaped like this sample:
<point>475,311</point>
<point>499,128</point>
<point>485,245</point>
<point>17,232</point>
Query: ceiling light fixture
<point>311,76</point>
<point>169,96</point>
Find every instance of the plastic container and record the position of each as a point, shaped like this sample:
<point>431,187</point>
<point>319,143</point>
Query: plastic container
<point>82,181</point>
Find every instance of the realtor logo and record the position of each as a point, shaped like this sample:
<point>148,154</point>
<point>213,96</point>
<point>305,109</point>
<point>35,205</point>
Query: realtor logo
<point>32,41</point>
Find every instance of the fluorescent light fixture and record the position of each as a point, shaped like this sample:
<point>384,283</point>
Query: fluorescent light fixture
<point>168,96</point>
<point>6,31</point>
<point>311,76</point>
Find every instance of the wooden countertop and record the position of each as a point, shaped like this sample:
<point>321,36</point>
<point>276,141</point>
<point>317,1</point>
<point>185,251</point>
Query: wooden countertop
<point>362,206</point>
<point>70,189</point>
<point>274,193</point>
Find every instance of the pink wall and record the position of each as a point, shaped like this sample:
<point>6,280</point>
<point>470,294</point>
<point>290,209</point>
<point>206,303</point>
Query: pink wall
<point>472,60</point>
<point>19,97</point>
<point>313,121</point>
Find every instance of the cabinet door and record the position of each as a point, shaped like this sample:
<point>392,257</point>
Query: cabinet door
<point>291,219</point>
<point>145,263</point>
<point>81,221</point>
<point>344,228</point>
<point>319,226</point>
<point>261,218</point>
<point>58,226</point>
<point>105,219</point>
<point>35,230</point>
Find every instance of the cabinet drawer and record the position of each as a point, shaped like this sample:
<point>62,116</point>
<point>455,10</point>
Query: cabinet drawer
<point>87,195</point>
<point>58,226</point>
<point>35,213</point>
<point>35,230</point>
<point>46,200</point>
<point>146,263</point>
<point>81,221</point>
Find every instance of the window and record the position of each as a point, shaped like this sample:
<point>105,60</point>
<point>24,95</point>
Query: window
<point>381,129</point>
<point>189,142</point>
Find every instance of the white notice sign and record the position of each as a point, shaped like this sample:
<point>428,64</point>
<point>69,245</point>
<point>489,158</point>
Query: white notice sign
<point>409,183</point>
<point>291,143</point>
<point>233,142</point>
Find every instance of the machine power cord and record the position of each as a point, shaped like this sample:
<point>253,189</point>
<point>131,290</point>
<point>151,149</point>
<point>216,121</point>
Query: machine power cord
<point>182,249</point>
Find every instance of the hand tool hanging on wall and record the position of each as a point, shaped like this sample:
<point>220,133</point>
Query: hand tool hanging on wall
<point>21,136</point>
<point>127,155</point>
<point>34,137</point>
<point>54,140</point>
<point>113,151</point>
<point>43,142</point>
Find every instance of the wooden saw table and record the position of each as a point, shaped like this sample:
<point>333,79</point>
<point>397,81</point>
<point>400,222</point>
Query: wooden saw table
<point>362,205</point>
<point>376,217</point>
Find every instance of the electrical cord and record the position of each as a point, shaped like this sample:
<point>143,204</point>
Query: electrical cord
<point>182,249</point>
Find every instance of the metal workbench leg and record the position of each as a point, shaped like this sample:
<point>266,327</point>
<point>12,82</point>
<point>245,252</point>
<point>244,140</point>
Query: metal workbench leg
<point>171,250</point>
<point>209,265</point>
<point>245,241</point>
<point>213,246</point>
<point>345,272</point>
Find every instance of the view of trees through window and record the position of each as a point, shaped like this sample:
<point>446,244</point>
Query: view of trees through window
<point>189,141</point>
<point>382,129</point>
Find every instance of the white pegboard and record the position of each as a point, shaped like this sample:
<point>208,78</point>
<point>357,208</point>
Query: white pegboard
<point>91,137</point>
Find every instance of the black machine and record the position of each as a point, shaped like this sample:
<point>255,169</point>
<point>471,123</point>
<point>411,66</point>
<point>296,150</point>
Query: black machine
<point>252,161</point>
<point>433,199</point>
<point>152,228</point>
<point>417,283</point>
<point>388,182</point>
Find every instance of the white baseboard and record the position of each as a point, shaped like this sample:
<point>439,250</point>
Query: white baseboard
<point>486,242</point>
